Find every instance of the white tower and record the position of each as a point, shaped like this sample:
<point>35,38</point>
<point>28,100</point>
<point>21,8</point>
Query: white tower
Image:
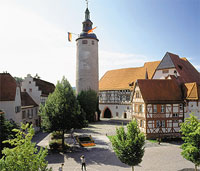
<point>87,67</point>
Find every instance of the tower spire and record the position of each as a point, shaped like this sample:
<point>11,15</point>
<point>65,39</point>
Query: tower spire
<point>87,12</point>
<point>87,3</point>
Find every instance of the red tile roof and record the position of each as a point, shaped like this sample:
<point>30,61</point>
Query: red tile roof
<point>160,91</point>
<point>8,87</point>
<point>44,86</point>
<point>121,79</point>
<point>187,71</point>
<point>26,100</point>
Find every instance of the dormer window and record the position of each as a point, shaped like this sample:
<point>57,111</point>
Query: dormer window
<point>180,67</point>
<point>165,71</point>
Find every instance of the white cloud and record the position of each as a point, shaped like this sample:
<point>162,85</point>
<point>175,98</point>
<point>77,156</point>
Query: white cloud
<point>29,45</point>
<point>114,60</point>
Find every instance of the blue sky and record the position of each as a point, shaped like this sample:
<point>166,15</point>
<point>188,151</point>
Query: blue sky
<point>33,34</point>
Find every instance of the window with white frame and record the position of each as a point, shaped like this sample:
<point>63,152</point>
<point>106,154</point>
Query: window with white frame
<point>162,108</point>
<point>160,123</point>
<point>141,123</point>
<point>140,109</point>
<point>181,106</point>
<point>154,108</point>
<point>17,109</point>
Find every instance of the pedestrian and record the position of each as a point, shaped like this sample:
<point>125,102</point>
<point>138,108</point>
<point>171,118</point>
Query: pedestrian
<point>61,168</point>
<point>83,162</point>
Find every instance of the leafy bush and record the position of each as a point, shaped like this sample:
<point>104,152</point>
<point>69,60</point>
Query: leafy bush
<point>56,135</point>
<point>56,145</point>
<point>24,156</point>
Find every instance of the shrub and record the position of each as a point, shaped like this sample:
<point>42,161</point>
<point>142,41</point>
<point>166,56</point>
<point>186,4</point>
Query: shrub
<point>56,145</point>
<point>56,135</point>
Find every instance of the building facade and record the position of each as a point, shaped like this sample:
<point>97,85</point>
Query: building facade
<point>29,111</point>
<point>158,113</point>
<point>116,89</point>
<point>162,94</point>
<point>10,99</point>
<point>36,88</point>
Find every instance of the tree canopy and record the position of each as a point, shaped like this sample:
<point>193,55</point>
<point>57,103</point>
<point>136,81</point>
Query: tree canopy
<point>6,132</point>
<point>190,130</point>
<point>89,103</point>
<point>61,111</point>
<point>129,147</point>
<point>24,156</point>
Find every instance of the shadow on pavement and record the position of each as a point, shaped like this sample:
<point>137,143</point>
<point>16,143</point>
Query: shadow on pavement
<point>39,137</point>
<point>101,154</point>
<point>188,169</point>
<point>55,158</point>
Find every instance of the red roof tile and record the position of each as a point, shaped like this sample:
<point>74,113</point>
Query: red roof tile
<point>8,87</point>
<point>44,86</point>
<point>26,100</point>
<point>187,71</point>
<point>160,91</point>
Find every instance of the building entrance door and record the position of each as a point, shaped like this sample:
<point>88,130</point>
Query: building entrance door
<point>107,113</point>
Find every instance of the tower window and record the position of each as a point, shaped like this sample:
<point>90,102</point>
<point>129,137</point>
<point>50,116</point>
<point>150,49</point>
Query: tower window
<point>84,41</point>
<point>92,42</point>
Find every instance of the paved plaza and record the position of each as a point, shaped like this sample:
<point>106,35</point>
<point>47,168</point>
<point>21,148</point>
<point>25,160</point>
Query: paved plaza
<point>164,157</point>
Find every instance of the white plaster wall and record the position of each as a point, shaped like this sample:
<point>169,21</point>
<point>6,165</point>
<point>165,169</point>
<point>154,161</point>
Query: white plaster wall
<point>9,107</point>
<point>121,110</point>
<point>193,108</point>
<point>87,69</point>
<point>18,115</point>
<point>36,93</point>
<point>159,75</point>
<point>34,117</point>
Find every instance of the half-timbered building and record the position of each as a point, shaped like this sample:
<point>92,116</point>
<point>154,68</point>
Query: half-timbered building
<point>158,107</point>
<point>116,88</point>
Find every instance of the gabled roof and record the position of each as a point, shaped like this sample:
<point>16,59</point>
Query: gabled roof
<point>191,91</point>
<point>160,91</point>
<point>187,71</point>
<point>45,87</point>
<point>121,79</point>
<point>26,100</point>
<point>8,87</point>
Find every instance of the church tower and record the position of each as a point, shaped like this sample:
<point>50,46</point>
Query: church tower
<point>87,66</point>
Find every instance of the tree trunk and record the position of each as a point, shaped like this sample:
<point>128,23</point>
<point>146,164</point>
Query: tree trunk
<point>132,168</point>
<point>63,139</point>
<point>195,167</point>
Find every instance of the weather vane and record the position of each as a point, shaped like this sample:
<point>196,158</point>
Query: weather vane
<point>87,2</point>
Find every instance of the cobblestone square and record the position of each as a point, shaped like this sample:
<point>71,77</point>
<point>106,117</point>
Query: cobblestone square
<point>164,157</point>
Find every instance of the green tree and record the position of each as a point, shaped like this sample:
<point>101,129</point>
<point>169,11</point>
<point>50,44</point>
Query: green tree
<point>62,111</point>
<point>89,103</point>
<point>24,156</point>
<point>129,147</point>
<point>6,132</point>
<point>18,79</point>
<point>190,130</point>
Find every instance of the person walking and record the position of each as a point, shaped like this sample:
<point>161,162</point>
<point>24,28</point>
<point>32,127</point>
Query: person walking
<point>83,162</point>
